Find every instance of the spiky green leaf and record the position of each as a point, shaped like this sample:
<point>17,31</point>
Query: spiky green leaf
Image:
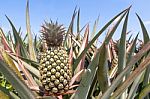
<point>146,39</point>
<point>30,40</point>
<point>102,72</point>
<point>122,46</point>
<point>18,84</point>
<point>84,87</point>
<point>145,33</point>
<point>131,78</point>
<point>144,92</point>
<point>18,40</point>
<point>96,36</point>
<point>133,60</point>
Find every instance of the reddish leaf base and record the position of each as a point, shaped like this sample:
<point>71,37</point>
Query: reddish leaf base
<point>59,94</point>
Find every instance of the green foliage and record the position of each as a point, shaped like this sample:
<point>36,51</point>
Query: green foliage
<point>90,64</point>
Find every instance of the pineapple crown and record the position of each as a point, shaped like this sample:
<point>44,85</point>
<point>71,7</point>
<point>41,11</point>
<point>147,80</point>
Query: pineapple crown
<point>52,33</point>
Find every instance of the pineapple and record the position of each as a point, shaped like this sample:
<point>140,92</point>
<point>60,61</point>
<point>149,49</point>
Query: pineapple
<point>54,67</point>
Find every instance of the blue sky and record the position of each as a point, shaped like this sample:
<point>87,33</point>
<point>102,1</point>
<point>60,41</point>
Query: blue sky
<point>62,11</point>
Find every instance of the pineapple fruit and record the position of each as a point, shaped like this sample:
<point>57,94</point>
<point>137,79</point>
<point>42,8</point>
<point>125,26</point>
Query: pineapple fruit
<point>54,67</point>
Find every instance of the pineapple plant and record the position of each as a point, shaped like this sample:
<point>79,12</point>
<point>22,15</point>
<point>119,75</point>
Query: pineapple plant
<point>54,67</point>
